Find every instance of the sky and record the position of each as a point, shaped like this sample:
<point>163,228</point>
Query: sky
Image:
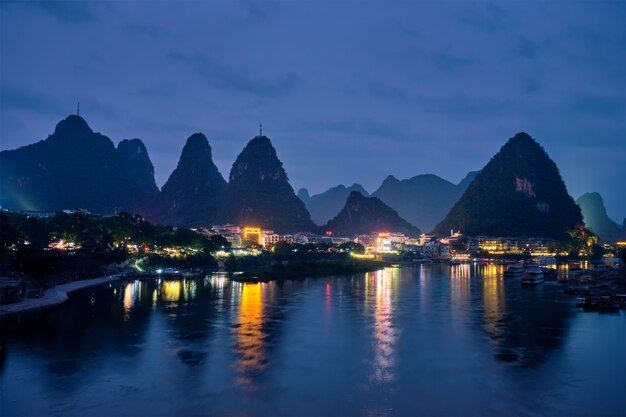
<point>348,91</point>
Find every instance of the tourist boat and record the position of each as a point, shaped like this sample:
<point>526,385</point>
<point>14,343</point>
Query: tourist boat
<point>514,270</point>
<point>549,273</point>
<point>532,276</point>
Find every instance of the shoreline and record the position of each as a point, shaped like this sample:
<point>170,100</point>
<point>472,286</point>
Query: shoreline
<point>54,296</point>
<point>308,269</point>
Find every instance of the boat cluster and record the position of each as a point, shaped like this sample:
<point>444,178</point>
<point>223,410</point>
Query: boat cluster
<point>598,289</point>
<point>531,273</point>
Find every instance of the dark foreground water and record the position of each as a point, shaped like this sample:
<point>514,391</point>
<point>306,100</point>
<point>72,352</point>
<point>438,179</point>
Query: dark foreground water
<point>431,340</point>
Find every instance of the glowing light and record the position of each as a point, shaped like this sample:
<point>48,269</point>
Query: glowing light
<point>170,291</point>
<point>363,256</point>
<point>129,296</point>
<point>252,233</point>
<point>136,265</point>
<point>250,334</point>
<point>382,285</point>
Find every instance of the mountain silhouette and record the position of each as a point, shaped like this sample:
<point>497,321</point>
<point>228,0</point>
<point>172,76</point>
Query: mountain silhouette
<point>364,215</point>
<point>424,200</point>
<point>259,193</point>
<point>73,168</point>
<point>596,218</point>
<point>194,192</point>
<point>326,205</point>
<point>139,174</point>
<point>518,193</point>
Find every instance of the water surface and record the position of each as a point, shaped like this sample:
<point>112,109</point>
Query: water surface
<point>425,340</point>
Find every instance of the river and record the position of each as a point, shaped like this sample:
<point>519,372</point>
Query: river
<point>425,340</point>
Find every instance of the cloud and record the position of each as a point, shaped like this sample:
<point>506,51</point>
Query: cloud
<point>531,85</point>
<point>527,49</point>
<point>593,104</point>
<point>467,106</point>
<point>64,11</point>
<point>19,99</point>
<point>489,18</point>
<point>382,91</point>
<point>227,79</point>
<point>407,30</point>
<point>254,11</point>
<point>150,31</point>
<point>363,127</point>
<point>447,61</point>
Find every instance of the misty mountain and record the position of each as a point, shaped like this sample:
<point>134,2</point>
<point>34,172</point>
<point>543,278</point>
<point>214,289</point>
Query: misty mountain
<point>73,168</point>
<point>326,205</point>
<point>303,194</point>
<point>194,192</point>
<point>596,218</point>
<point>363,215</point>
<point>424,200</point>
<point>259,193</point>
<point>520,192</point>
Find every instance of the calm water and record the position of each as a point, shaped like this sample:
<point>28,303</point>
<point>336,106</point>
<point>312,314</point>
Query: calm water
<point>430,340</point>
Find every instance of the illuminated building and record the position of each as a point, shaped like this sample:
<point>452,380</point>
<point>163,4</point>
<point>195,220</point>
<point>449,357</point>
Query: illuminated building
<point>252,234</point>
<point>272,239</point>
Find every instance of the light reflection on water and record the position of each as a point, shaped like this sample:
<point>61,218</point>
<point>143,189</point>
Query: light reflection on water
<point>381,285</point>
<point>249,334</point>
<point>429,339</point>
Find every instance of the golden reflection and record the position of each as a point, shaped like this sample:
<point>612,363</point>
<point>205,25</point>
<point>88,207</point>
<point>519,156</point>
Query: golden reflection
<point>381,285</point>
<point>170,291</point>
<point>460,284</point>
<point>493,298</point>
<point>249,333</point>
<point>129,297</point>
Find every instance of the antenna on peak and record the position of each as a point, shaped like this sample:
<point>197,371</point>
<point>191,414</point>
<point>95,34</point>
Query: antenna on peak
<point>260,129</point>
<point>78,109</point>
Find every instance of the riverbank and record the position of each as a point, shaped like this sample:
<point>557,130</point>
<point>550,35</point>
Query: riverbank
<point>307,269</point>
<point>54,296</point>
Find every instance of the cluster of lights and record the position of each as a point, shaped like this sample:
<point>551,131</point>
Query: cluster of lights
<point>63,245</point>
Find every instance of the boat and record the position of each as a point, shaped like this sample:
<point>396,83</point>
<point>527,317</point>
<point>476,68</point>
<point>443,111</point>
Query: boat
<point>454,262</point>
<point>549,273</point>
<point>532,276</point>
<point>514,270</point>
<point>598,303</point>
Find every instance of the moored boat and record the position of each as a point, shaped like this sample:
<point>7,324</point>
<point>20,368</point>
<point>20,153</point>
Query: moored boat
<point>514,270</point>
<point>532,276</point>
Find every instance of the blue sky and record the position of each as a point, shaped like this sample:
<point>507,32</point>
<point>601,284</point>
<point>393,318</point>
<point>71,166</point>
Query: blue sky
<point>348,91</point>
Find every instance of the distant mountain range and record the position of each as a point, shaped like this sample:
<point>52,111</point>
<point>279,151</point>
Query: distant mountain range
<point>518,193</point>
<point>363,215</point>
<point>77,168</point>
<point>423,200</point>
<point>596,218</point>
<point>326,205</point>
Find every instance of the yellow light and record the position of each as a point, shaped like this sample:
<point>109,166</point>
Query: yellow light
<point>170,291</point>
<point>252,231</point>
<point>365,256</point>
